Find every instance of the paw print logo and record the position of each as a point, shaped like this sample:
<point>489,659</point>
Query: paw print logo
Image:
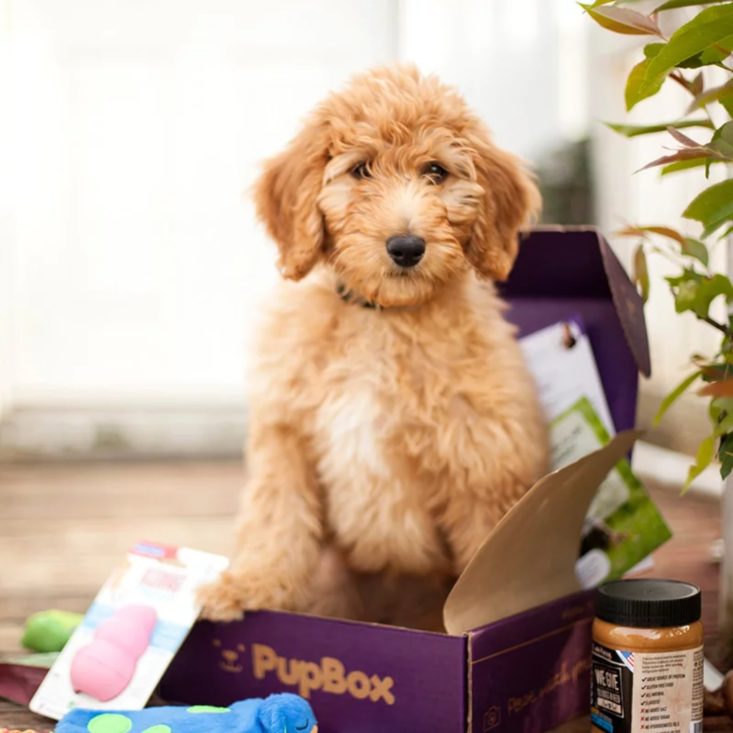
<point>492,718</point>
<point>230,660</point>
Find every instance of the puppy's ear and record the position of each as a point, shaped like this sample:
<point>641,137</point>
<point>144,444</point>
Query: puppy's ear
<point>511,201</point>
<point>286,197</point>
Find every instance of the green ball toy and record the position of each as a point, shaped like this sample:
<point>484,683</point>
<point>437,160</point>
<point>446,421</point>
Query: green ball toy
<point>48,631</point>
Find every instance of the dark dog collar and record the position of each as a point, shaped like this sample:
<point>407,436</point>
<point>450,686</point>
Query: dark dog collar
<point>349,296</point>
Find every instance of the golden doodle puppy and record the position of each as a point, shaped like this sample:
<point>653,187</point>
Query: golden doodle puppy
<point>393,421</point>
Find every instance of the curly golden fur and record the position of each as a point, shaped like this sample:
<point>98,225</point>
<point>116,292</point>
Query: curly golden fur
<point>397,435</point>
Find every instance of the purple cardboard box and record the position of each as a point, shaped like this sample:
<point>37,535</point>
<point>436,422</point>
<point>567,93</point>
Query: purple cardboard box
<point>516,655</point>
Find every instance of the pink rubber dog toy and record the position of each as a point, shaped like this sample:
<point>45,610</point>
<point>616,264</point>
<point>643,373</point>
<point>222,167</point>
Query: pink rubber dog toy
<point>104,668</point>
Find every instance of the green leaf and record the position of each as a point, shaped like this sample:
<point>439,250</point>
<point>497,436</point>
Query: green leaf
<point>684,165</point>
<point>686,295</point>
<point>623,20</point>
<point>727,232</point>
<point>713,207</point>
<point>727,102</point>
<point>687,274</point>
<point>695,292</point>
<point>637,75</point>
<point>721,408</point>
<point>636,88</point>
<point>674,395</point>
<point>725,455</point>
<point>634,130</point>
<point>722,140</point>
<point>703,32</point>
<point>695,248</point>
<point>710,288</point>
<point>652,49</point>
<point>671,4</point>
<point>710,56</point>
<point>640,274</point>
<point>705,453</point>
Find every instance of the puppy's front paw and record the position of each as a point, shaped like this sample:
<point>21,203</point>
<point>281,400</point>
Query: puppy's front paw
<point>234,592</point>
<point>222,599</point>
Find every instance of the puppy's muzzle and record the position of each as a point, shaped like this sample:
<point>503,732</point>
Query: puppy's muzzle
<point>406,250</point>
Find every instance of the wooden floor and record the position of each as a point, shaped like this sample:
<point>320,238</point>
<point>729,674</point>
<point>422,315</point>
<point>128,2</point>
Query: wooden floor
<point>62,527</point>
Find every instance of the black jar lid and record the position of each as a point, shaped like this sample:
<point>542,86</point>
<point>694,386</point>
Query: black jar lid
<point>648,603</point>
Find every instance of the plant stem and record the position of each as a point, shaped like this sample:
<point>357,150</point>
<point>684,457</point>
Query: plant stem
<point>716,324</point>
<point>682,81</point>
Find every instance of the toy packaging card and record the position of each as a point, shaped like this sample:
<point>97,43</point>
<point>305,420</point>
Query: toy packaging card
<point>130,633</point>
<point>623,526</point>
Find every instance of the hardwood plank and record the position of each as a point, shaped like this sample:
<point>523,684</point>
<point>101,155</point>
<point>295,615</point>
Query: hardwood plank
<point>122,491</point>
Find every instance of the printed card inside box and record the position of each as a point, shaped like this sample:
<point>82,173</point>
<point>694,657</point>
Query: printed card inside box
<point>516,653</point>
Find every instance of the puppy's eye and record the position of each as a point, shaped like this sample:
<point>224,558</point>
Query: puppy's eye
<point>435,172</point>
<point>361,170</point>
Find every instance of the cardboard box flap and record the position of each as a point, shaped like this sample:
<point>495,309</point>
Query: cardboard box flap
<point>561,273</point>
<point>529,558</point>
<point>629,307</point>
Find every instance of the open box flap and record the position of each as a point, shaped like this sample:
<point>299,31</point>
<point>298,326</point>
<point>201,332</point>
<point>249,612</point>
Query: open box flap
<point>564,272</point>
<point>629,306</point>
<point>529,558</point>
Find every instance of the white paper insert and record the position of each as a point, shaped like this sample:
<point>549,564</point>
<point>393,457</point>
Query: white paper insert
<point>564,373</point>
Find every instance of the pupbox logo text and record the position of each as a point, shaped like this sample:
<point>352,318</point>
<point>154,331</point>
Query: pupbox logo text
<point>328,675</point>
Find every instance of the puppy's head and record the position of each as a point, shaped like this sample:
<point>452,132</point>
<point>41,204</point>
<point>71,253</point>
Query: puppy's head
<point>398,186</point>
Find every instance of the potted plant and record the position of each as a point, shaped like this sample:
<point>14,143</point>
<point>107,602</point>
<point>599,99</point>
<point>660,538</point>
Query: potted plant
<point>688,52</point>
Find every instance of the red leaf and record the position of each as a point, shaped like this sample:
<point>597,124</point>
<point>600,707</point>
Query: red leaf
<point>680,137</point>
<point>684,154</point>
<point>718,389</point>
<point>663,231</point>
<point>623,20</point>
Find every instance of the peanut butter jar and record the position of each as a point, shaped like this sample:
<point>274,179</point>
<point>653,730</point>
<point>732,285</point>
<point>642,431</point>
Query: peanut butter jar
<point>647,658</point>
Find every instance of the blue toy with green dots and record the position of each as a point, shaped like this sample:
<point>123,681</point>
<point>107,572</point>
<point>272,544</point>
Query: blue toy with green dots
<point>284,713</point>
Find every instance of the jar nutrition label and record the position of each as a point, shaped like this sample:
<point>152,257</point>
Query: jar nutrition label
<point>641,692</point>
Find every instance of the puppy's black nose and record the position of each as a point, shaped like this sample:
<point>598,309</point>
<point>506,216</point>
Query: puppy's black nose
<point>406,250</point>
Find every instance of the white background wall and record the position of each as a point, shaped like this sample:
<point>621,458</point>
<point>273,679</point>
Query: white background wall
<point>133,263</point>
<point>130,130</point>
<point>522,64</point>
<point>139,125</point>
